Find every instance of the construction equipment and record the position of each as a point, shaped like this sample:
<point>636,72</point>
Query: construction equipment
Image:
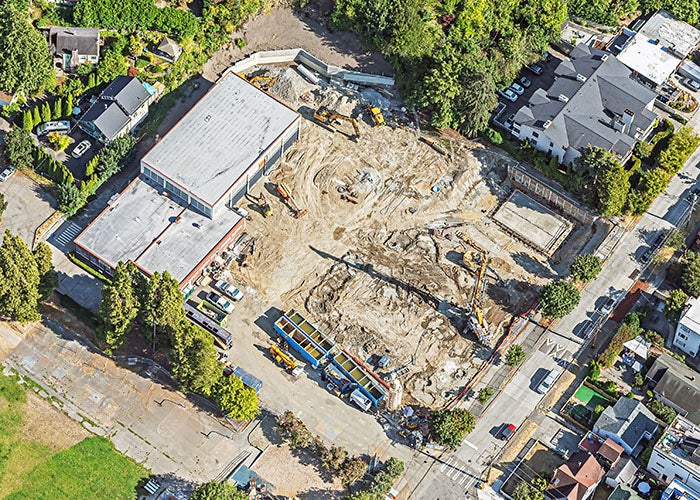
<point>282,358</point>
<point>376,114</point>
<point>262,204</point>
<point>263,82</point>
<point>475,320</point>
<point>327,117</point>
<point>286,195</point>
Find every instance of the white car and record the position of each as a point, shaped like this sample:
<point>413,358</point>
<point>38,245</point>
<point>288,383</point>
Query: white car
<point>229,290</point>
<point>7,173</point>
<point>548,382</point>
<point>217,301</point>
<point>81,148</point>
<point>508,94</point>
<point>517,89</point>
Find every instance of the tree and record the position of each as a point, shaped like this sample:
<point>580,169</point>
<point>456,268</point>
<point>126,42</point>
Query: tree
<point>48,278</point>
<point>36,116</point>
<point>19,280</point>
<point>525,491</point>
<point>177,23</point>
<point>515,355</point>
<point>118,309</point>
<point>612,188</point>
<point>59,142</point>
<point>90,167</point>
<point>92,80</point>
<point>235,399</point>
<point>643,149</point>
<point>3,205</point>
<point>351,470</point>
<point>690,279</point>
<point>215,490</point>
<point>27,121</point>
<point>558,299</point>
<point>126,15</point>
<point>69,199</point>
<point>593,370</point>
<point>57,109</point>
<point>293,430</point>
<point>163,303</point>
<point>194,360</point>
<point>45,112</point>
<point>664,412</point>
<point>674,305</point>
<point>333,457</point>
<point>676,239</point>
<point>585,267</point>
<point>19,148</point>
<point>485,394</point>
<point>68,105</point>
<point>26,61</point>
<point>448,428</point>
<point>680,147</point>
<point>111,66</point>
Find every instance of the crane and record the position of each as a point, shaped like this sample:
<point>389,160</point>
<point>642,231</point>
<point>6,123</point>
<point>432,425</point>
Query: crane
<point>475,320</point>
<point>326,116</point>
<point>286,195</point>
<point>282,357</point>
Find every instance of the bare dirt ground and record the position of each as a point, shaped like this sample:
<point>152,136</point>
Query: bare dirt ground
<point>283,28</point>
<point>385,275</point>
<point>294,472</point>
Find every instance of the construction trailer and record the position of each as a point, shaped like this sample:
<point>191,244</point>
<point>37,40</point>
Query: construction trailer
<point>250,380</point>
<point>368,384</point>
<point>302,336</point>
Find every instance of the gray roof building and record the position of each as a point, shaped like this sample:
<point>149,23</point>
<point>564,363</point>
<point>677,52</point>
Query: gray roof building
<point>73,46</point>
<point>592,102</point>
<point>169,49</point>
<point>677,385</point>
<point>117,110</point>
<point>626,423</point>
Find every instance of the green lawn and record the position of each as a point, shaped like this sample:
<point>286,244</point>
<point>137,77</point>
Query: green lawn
<point>591,398</point>
<point>30,469</point>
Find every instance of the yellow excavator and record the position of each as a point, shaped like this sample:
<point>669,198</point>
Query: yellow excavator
<point>376,114</point>
<point>282,358</point>
<point>263,82</point>
<point>475,320</point>
<point>327,117</point>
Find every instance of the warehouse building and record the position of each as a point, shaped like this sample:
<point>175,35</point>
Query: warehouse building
<point>176,215</point>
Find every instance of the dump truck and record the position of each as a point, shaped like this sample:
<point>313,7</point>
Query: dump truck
<point>282,358</point>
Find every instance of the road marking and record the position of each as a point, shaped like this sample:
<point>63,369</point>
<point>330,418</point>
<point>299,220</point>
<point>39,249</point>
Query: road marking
<point>66,237</point>
<point>447,464</point>
<point>469,444</point>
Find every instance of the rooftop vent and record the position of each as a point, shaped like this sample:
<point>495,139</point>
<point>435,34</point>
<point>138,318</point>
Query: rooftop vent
<point>604,57</point>
<point>547,124</point>
<point>580,77</point>
<point>563,98</point>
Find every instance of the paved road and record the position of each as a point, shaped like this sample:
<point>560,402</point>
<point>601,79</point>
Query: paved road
<point>518,399</point>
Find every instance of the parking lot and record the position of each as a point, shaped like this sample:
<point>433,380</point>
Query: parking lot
<point>28,205</point>
<point>77,165</point>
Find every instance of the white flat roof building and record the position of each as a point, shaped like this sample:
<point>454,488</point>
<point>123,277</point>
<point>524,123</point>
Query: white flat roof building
<point>687,337</point>
<point>677,454</point>
<point>648,59</point>
<point>222,144</point>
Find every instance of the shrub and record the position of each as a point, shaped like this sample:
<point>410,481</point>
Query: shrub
<point>662,411</point>
<point>593,370</point>
<point>628,330</point>
<point>485,394</point>
<point>494,136</point>
<point>240,43</point>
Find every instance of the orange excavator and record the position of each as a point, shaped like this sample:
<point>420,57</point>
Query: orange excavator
<point>286,195</point>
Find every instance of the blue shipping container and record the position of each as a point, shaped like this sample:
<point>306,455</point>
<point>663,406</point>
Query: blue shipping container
<point>248,379</point>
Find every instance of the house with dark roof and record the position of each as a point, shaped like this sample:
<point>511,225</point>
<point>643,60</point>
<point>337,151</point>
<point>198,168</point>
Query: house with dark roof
<point>576,479</point>
<point>677,385</point>
<point>118,109</point>
<point>169,49</point>
<point>627,423</point>
<point>71,47</point>
<point>592,102</point>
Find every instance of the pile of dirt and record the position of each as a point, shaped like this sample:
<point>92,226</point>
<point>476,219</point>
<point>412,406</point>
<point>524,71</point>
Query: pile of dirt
<point>290,86</point>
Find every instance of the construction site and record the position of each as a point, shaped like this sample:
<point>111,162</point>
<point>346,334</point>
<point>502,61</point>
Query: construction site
<point>398,245</point>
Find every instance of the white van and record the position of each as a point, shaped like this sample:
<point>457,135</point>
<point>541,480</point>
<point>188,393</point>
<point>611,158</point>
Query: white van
<point>548,381</point>
<point>360,400</point>
<point>62,127</point>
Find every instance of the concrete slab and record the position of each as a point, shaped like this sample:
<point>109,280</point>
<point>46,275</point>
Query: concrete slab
<point>533,223</point>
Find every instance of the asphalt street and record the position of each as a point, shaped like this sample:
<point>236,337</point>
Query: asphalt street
<point>457,474</point>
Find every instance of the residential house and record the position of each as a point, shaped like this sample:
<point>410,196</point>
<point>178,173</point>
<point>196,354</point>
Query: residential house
<point>679,491</point>
<point>627,423</point>
<point>606,451</point>
<point>622,474</point>
<point>624,492</point>
<point>677,385</point>
<point>656,49</point>
<point>118,109</point>
<point>592,102</point>
<point>687,337</point>
<point>71,47</point>
<point>677,454</point>
<point>576,479</point>
<point>169,49</point>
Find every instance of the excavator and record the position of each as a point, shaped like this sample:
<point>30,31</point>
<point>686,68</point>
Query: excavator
<point>475,320</point>
<point>376,114</point>
<point>263,82</point>
<point>286,195</point>
<point>282,358</point>
<point>326,117</point>
<point>262,204</point>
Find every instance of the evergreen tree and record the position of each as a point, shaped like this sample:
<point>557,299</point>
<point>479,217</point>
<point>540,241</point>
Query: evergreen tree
<point>27,122</point>
<point>36,116</point>
<point>118,308</point>
<point>68,106</point>
<point>3,205</point>
<point>48,279</point>
<point>92,80</point>
<point>163,303</point>
<point>19,280</point>
<point>193,359</point>
<point>45,112</point>
<point>90,167</point>
<point>57,109</point>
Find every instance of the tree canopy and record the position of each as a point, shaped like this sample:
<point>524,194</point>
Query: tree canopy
<point>26,61</point>
<point>515,355</point>
<point>118,308</point>
<point>558,299</point>
<point>19,280</point>
<point>235,399</point>
<point>448,428</point>
<point>585,267</point>
<point>194,360</point>
<point>690,279</point>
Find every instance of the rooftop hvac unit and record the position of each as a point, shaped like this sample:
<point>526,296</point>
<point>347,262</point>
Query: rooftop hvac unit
<point>563,98</point>
<point>580,77</point>
<point>547,124</point>
<point>604,57</point>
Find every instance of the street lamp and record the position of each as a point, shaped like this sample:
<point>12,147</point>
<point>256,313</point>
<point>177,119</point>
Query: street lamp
<point>179,403</point>
<point>207,434</point>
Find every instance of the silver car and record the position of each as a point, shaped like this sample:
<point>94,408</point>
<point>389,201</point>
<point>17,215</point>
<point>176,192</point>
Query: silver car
<point>508,94</point>
<point>517,89</point>
<point>81,148</point>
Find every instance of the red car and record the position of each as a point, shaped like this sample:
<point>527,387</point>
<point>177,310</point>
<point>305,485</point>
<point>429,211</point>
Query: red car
<point>506,432</point>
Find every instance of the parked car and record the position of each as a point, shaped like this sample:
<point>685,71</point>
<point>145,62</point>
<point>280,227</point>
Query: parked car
<point>81,148</point>
<point>508,94</point>
<point>7,173</point>
<point>535,68</point>
<point>607,307</point>
<point>229,290</point>
<point>548,56</point>
<point>215,300</point>
<point>548,382</point>
<point>517,89</point>
<point>506,432</point>
<point>691,84</point>
<point>524,82</point>
<point>646,256</point>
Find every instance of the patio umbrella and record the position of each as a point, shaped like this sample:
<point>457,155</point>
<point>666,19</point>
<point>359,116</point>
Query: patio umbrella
<point>643,488</point>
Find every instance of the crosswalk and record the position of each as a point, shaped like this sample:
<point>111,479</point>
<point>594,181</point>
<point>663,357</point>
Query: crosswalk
<point>456,470</point>
<point>64,237</point>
